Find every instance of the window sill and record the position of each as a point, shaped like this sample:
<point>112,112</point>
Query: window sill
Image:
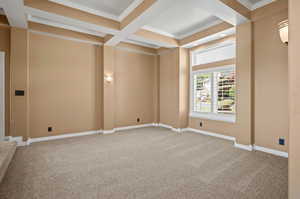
<point>213,116</point>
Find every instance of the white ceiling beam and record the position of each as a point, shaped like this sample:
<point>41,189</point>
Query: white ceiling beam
<point>223,11</point>
<point>77,6</point>
<point>130,8</point>
<point>63,26</point>
<point>151,41</point>
<point>15,13</point>
<point>69,21</point>
<point>140,19</point>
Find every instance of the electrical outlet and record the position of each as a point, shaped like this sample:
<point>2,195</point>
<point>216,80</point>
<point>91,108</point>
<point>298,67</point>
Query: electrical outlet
<point>200,124</point>
<point>281,141</point>
<point>50,129</point>
<point>138,120</point>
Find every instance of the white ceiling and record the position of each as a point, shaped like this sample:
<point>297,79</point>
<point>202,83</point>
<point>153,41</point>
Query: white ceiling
<point>254,4</point>
<point>114,7</point>
<point>182,19</point>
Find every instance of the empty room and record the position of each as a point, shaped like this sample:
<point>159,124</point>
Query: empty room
<point>149,99</point>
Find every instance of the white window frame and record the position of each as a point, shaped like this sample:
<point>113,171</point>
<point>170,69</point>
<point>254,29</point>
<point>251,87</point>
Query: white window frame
<point>231,118</point>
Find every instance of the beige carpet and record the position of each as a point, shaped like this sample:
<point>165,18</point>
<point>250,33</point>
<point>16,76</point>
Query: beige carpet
<point>143,163</point>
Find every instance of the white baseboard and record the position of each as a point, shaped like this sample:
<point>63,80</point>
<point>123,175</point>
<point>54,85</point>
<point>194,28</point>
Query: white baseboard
<point>127,128</point>
<point>105,132</point>
<point>133,127</point>
<point>271,151</point>
<point>43,139</point>
<point>18,140</point>
<point>225,137</point>
<point>244,147</point>
<point>170,127</point>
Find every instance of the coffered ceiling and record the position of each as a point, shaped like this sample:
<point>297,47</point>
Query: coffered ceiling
<point>151,23</point>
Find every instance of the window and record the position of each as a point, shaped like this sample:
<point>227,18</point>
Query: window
<point>213,82</point>
<point>214,54</point>
<point>214,93</point>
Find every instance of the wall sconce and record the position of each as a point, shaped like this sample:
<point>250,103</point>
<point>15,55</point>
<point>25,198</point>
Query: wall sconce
<point>284,31</point>
<point>108,78</point>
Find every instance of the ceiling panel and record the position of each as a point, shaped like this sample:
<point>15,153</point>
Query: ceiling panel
<point>183,19</point>
<point>114,7</point>
<point>254,4</point>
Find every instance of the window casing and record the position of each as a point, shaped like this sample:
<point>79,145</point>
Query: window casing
<point>213,89</point>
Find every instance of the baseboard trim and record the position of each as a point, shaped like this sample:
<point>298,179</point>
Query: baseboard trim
<point>18,140</point>
<point>244,147</point>
<point>178,130</point>
<point>133,127</point>
<point>225,137</point>
<point>127,128</point>
<point>271,151</point>
<point>57,137</point>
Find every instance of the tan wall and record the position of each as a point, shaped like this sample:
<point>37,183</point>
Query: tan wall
<point>242,128</point>
<point>174,87</point>
<point>108,102</point>
<point>271,82</point>
<point>134,88</point>
<point>294,99</point>
<point>5,46</point>
<point>169,88</point>
<point>19,77</point>
<point>64,86</point>
<point>270,86</point>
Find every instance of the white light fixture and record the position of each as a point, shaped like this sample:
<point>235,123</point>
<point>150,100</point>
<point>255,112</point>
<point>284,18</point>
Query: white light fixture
<point>108,78</point>
<point>284,31</point>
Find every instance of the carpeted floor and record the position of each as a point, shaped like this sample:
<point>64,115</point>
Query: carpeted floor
<point>144,163</point>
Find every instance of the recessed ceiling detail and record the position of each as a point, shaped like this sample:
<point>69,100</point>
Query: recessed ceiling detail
<point>179,23</point>
<point>112,9</point>
<point>254,4</point>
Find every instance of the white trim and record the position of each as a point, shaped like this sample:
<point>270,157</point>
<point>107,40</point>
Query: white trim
<point>128,10</point>
<point>140,21</point>
<point>178,130</point>
<point>133,127</point>
<point>246,3</point>
<point>134,51</point>
<point>261,4</point>
<point>86,9</point>
<point>217,135</point>
<point>65,38</point>
<point>105,132</point>
<point>69,21</point>
<point>64,26</point>
<point>18,140</point>
<point>244,147</point>
<point>161,32</point>
<point>141,44</point>
<point>200,29</point>
<point>43,139</point>
<point>215,116</point>
<point>151,41</point>
<point>254,6</point>
<point>2,95</point>
<point>231,118</point>
<point>127,128</point>
<point>271,151</point>
<point>15,13</point>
